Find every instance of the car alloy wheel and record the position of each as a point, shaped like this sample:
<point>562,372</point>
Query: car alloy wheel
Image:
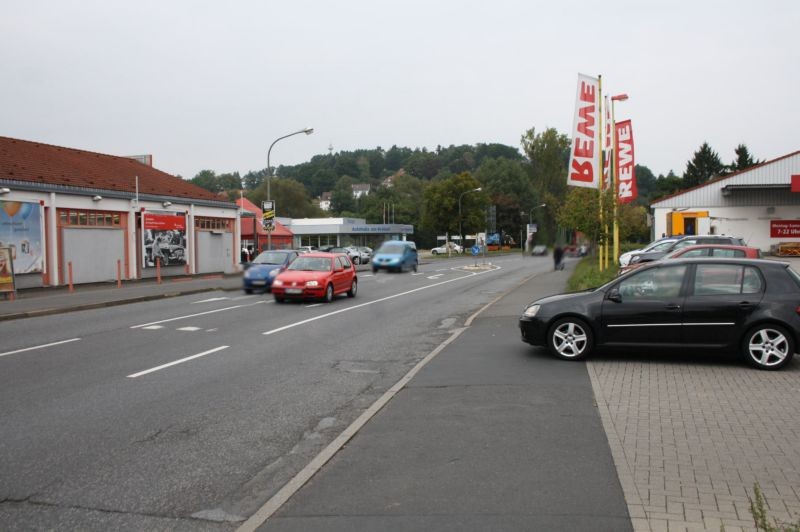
<point>768,347</point>
<point>329,293</point>
<point>353,289</point>
<point>570,339</point>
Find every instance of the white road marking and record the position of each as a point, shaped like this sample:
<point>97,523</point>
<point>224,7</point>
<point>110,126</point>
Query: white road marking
<point>198,355</point>
<point>153,327</point>
<point>313,305</point>
<point>211,330</point>
<point>354,307</point>
<point>442,270</point>
<point>39,347</point>
<point>418,273</point>
<point>434,277</point>
<point>250,296</point>
<point>198,314</point>
<point>190,329</point>
<point>210,300</point>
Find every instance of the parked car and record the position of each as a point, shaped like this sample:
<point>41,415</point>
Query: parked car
<point>316,275</point>
<point>306,249</point>
<point>366,254</point>
<point>703,250</point>
<point>453,247</point>
<point>395,255</point>
<point>539,249</point>
<point>749,305</point>
<point>656,245</point>
<point>262,270</point>
<point>682,242</point>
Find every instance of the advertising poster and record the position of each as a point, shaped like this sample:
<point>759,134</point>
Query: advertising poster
<point>6,271</point>
<point>584,157</point>
<point>164,238</point>
<point>21,231</point>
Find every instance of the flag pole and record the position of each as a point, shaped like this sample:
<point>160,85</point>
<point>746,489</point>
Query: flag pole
<point>615,179</point>
<point>601,243</point>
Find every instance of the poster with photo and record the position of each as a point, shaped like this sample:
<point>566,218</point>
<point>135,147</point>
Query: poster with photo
<point>21,231</point>
<point>164,235</point>
<point>6,271</point>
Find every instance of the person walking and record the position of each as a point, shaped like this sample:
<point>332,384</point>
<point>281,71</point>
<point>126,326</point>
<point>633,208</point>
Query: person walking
<point>558,256</point>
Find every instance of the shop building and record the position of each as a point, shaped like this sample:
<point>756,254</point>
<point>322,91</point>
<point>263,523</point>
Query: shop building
<point>760,205</point>
<point>77,216</point>
<point>254,234</point>
<point>343,232</point>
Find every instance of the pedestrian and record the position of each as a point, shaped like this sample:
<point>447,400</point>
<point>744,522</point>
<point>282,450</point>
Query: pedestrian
<point>558,255</point>
<point>245,255</point>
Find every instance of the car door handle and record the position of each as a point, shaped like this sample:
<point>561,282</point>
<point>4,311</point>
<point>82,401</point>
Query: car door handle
<point>673,306</point>
<point>745,304</point>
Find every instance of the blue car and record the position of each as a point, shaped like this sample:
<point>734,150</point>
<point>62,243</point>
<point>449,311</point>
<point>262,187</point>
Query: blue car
<point>395,255</point>
<point>265,267</point>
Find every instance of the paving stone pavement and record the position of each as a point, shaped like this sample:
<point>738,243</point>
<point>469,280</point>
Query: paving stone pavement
<point>691,435</point>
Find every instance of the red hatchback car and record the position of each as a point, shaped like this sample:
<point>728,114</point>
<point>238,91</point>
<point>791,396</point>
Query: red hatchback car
<point>316,276</point>
<point>704,250</point>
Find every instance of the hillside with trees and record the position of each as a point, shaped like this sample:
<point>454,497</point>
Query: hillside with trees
<point>422,187</point>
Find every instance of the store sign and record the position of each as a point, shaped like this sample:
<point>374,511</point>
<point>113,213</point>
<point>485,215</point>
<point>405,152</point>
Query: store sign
<point>164,238</point>
<point>784,228</point>
<point>21,231</point>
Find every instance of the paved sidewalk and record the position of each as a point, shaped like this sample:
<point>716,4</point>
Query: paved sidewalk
<point>44,301</point>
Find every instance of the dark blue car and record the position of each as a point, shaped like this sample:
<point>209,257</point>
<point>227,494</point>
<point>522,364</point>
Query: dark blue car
<point>265,267</point>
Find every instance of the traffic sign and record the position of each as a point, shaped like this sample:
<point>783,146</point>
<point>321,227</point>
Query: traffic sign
<point>476,249</point>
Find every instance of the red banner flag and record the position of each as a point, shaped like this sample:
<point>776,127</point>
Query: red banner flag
<point>626,174</point>
<point>584,157</point>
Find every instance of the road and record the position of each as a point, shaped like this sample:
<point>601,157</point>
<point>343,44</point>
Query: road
<point>189,413</point>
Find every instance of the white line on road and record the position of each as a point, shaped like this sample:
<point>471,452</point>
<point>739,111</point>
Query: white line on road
<point>434,277</point>
<point>39,347</point>
<point>354,307</point>
<point>198,314</point>
<point>189,329</point>
<point>210,300</point>
<point>198,355</point>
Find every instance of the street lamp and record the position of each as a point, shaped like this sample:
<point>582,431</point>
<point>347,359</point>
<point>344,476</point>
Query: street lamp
<point>460,233</point>
<point>307,131</point>
<point>530,219</point>
<point>615,170</point>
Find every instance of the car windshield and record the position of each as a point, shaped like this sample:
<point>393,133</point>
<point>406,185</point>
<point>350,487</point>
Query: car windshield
<point>311,264</point>
<point>391,248</point>
<point>270,257</point>
<point>661,246</point>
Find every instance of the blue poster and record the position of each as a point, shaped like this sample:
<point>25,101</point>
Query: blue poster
<point>21,230</point>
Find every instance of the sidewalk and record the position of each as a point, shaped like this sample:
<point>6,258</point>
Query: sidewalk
<point>490,435</point>
<point>44,301</point>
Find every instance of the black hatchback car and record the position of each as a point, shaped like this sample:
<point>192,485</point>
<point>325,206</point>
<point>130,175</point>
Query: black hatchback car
<point>749,305</point>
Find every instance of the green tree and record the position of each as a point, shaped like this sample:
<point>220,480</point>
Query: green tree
<point>253,179</point>
<point>645,185</point>
<point>548,153</point>
<point>510,190</point>
<point>396,158</point>
<point>440,205</point>
<point>206,179</point>
<point>342,201</point>
<point>704,165</point>
<point>423,164</point>
<point>743,159</point>
<point>291,198</point>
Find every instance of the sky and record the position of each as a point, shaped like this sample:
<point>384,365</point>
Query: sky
<point>211,84</point>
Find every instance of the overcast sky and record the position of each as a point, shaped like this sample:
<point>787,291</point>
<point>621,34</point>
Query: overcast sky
<point>210,84</point>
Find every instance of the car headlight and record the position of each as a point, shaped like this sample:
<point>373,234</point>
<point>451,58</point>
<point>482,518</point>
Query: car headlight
<point>531,311</point>
<point>312,283</point>
<point>277,282</point>
<point>273,273</point>
<point>635,259</point>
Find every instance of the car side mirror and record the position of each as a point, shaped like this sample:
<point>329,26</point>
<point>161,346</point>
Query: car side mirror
<point>614,295</point>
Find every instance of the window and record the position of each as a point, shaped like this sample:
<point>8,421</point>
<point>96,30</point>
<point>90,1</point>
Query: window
<point>654,283</point>
<point>87,218</point>
<point>695,253</point>
<point>717,279</point>
<point>719,252</point>
<point>213,224</point>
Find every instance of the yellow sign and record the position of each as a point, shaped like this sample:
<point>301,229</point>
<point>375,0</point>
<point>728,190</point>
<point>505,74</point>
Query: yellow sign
<point>6,271</point>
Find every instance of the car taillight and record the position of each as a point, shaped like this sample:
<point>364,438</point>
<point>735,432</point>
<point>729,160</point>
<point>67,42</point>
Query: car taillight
<point>797,310</point>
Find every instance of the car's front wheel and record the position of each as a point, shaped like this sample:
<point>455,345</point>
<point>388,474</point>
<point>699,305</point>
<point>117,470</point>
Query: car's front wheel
<point>248,290</point>
<point>329,293</point>
<point>570,338</point>
<point>434,252</point>
<point>768,346</point>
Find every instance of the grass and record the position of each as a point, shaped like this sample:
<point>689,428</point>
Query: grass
<point>588,275</point>
<point>758,507</point>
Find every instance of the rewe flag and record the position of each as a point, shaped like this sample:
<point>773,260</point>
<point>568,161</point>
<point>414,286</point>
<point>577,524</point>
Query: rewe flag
<point>626,175</point>
<point>584,157</point>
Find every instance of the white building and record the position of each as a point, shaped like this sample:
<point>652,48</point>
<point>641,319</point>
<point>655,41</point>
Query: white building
<point>760,205</point>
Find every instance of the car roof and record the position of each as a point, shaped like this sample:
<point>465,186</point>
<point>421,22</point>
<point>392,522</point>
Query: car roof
<point>713,260</point>
<point>715,246</point>
<point>321,254</point>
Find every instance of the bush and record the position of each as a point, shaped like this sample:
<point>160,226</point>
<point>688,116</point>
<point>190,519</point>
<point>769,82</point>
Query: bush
<point>588,275</point>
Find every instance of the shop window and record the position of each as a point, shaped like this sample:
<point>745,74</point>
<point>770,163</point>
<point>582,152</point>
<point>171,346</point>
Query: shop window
<point>75,217</point>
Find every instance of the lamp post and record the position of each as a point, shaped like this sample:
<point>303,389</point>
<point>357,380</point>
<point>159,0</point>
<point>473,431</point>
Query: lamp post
<point>530,220</point>
<point>615,170</point>
<point>307,131</point>
<point>460,233</point>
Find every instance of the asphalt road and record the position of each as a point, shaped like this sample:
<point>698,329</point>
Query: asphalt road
<point>189,413</point>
